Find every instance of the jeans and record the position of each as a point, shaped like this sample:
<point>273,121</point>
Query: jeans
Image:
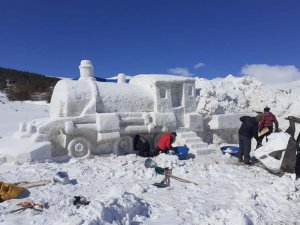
<point>244,148</point>
<point>297,166</point>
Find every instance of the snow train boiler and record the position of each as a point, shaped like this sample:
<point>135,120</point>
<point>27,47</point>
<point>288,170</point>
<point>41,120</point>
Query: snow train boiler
<point>90,117</point>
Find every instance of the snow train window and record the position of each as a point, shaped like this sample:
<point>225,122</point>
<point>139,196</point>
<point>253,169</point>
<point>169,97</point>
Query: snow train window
<point>190,90</point>
<point>162,93</point>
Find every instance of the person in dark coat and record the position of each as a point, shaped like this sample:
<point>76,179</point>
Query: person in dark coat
<point>142,146</point>
<point>247,131</point>
<point>297,165</point>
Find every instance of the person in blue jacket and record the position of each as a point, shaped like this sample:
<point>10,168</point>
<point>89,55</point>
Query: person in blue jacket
<point>247,131</point>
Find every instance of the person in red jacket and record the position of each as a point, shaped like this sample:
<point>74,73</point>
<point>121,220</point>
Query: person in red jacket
<point>267,120</point>
<point>165,143</point>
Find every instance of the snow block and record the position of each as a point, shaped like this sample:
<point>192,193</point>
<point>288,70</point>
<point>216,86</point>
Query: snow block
<point>227,121</point>
<point>106,137</point>
<point>23,150</point>
<point>107,122</point>
<point>193,122</point>
<point>265,154</point>
<point>164,119</point>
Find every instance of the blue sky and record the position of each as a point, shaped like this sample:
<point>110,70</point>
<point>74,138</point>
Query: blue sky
<point>148,36</point>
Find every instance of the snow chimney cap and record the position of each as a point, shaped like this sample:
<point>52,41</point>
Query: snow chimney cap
<point>121,78</point>
<point>86,70</point>
<point>86,63</point>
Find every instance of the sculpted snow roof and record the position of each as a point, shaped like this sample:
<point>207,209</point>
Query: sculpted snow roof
<point>160,78</point>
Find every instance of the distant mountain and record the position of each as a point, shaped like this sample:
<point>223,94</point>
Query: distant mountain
<point>21,85</point>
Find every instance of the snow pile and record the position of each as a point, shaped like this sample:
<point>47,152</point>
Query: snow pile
<point>244,94</point>
<point>125,210</point>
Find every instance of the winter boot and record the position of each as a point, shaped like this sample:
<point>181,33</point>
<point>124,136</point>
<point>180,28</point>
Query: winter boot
<point>249,163</point>
<point>240,160</point>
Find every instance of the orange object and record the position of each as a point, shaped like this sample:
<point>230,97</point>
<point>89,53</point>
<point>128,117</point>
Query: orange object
<point>9,191</point>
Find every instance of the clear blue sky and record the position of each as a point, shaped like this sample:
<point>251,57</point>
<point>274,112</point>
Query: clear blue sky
<point>148,36</point>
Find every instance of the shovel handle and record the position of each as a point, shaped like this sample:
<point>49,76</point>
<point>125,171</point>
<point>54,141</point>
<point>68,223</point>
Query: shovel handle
<point>182,180</point>
<point>35,184</point>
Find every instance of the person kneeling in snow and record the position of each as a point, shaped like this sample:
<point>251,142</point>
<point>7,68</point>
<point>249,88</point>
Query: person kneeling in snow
<point>164,144</point>
<point>247,131</point>
<point>142,146</point>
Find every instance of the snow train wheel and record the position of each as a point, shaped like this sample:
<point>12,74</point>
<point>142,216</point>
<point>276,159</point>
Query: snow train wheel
<point>123,146</point>
<point>79,147</point>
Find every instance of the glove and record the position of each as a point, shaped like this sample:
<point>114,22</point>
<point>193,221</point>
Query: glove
<point>171,152</point>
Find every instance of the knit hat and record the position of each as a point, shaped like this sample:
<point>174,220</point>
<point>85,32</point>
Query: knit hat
<point>267,109</point>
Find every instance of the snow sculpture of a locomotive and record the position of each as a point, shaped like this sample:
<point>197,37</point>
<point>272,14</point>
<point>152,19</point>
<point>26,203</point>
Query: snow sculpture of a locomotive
<point>87,116</point>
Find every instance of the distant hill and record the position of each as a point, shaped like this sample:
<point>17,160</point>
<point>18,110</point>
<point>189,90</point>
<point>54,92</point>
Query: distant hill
<point>21,85</point>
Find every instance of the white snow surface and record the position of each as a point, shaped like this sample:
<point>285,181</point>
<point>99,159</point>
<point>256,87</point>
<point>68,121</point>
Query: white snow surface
<point>121,192</point>
<point>120,187</point>
<point>13,113</point>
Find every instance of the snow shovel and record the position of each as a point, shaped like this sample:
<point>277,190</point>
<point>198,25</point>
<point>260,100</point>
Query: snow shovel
<point>150,163</point>
<point>182,180</point>
<point>168,173</point>
<point>59,177</point>
<point>26,184</point>
<point>28,205</point>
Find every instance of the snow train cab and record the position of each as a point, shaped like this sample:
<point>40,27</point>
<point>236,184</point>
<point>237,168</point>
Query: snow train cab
<point>87,116</point>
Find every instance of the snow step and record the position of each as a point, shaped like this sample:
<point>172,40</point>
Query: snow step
<point>187,135</point>
<point>198,145</point>
<point>193,140</point>
<point>204,151</point>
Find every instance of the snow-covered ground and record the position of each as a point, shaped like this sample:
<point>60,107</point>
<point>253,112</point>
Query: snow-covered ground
<point>120,188</point>
<point>13,113</point>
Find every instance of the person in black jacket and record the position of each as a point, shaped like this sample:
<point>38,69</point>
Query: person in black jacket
<point>141,145</point>
<point>247,131</point>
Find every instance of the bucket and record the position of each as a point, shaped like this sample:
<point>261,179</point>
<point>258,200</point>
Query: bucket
<point>61,177</point>
<point>232,150</point>
<point>182,152</point>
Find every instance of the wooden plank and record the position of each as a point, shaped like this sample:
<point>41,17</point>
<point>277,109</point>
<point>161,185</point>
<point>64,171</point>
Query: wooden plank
<point>263,131</point>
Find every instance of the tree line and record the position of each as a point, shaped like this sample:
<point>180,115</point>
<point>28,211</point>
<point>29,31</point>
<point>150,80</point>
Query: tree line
<point>21,85</point>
